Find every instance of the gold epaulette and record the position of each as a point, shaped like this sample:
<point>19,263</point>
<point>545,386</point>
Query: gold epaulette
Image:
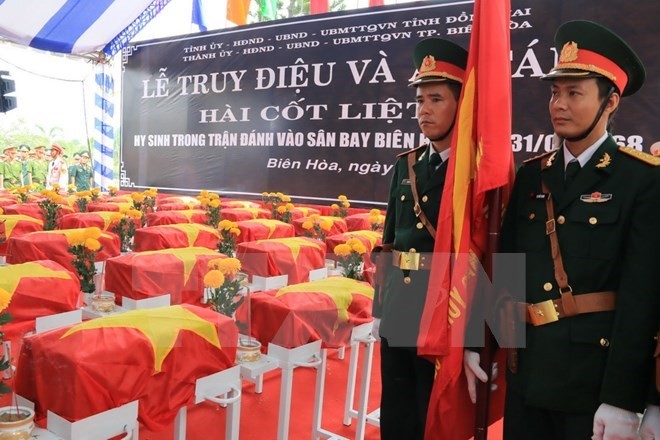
<point>405,153</point>
<point>644,157</point>
<point>540,156</point>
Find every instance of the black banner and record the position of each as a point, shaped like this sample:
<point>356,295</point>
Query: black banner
<point>319,106</point>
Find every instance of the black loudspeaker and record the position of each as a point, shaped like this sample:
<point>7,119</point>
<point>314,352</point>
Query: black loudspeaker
<point>7,86</point>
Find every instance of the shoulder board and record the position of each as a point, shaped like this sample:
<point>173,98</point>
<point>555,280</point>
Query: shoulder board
<point>640,155</point>
<point>405,153</point>
<point>540,156</point>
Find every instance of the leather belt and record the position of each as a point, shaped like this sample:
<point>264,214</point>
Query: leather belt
<point>553,310</point>
<point>410,260</point>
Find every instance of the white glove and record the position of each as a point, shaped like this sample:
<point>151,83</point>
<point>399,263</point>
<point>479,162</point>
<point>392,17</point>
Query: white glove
<point>612,423</point>
<point>650,429</point>
<point>375,329</point>
<point>474,371</point>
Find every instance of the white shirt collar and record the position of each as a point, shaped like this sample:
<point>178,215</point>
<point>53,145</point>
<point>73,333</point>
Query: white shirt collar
<point>586,154</point>
<point>444,154</point>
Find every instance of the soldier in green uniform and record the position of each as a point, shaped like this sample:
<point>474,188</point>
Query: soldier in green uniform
<point>585,215</point>
<point>408,240</point>
<point>24,157</point>
<point>82,174</point>
<point>11,171</point>
<point>39,168</point>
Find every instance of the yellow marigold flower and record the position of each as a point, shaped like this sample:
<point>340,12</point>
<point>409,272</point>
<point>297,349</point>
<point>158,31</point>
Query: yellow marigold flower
<point>271,194</point>
<point>314,217</point>
<point>374,219</point>
<point>281,209</point>
<point>308,224</point>
<point>92,244</point>
<point>137,197</point>
<point>334,206</point>
<point>326,225</point>
<point>203,193</point>
<point>214,196</point>
<point>213,264</point>
<point>353,241</point>
<point>286,199</point>
<point>235,231</point>
<point>134,213</point>
<point>96,190</point>
<point>374,212</point>
<point>342,198</point>
<point>290,207</point>
<point>214,278</point>
<point>92,232</point>
<point>345,204</point>
<point>116,216</point>
<point>214,203</point>
<point>264,194</point>
<point>1,211</point>
<point>5,299</point>
<point>279,195</point>
<point>360,248</point>
<point>76,238</point>
<point>342,250</point>
<point>229,266</point>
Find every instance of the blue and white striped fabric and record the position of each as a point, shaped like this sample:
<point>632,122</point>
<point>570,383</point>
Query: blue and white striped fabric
<point>104,132</point>
<point>76,26</point>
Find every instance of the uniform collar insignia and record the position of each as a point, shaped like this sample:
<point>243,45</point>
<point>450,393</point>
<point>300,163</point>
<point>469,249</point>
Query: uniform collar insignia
<point>595,197</point>
<point>551,159</point>
<point>604,161</point>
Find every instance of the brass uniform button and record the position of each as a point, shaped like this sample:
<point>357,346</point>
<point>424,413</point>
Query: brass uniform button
<point>547,287</point>
<point>604,342</point>
<point>531,216</point>
<point>425,199</point>
<point>593,220</point>
<point>420,225</point>
<point>412,250</point>
<point>406,280</point>
<point>561,219</point>
<point>403,197</point>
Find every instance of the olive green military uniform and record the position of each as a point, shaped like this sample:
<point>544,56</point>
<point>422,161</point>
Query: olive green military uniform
<point>82,175</point>
<point>400,304</point>
<point>605,221</point>
<point>11,172</point>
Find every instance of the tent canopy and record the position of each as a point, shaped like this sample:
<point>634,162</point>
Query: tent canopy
<point>97,28</point>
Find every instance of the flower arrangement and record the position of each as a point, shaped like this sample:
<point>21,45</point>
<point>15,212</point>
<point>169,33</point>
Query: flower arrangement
<point>279,204</point>
<point>224,284</point>
<point>71,189</point>
<point>228,232</point>
<point>376,220</point>
<point>210,202</point>
<point>49,207</point>
<point>340,209</point>
<point>82,200</point>
<point>351,258</point>
<point>123,224</point>
<point>5,317</point>
<point>112,191</point>
<point>95,194</point>
<point>317,227</point>
<point>22,193</point>
<point>84,245</point>
<point>149,202</point>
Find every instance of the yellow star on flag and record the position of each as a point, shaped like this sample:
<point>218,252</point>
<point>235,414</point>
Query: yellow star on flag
<point>372,236</point>
<point>270,224</point>
<point>68,232</point>
<point>187,213</point>
<point>11,275</point>
<point>339,289</point>
<point>160,326</point>
<point>192,230</point>
<point>12,220</point>
<point>293,243</point>
<point>188,257</point>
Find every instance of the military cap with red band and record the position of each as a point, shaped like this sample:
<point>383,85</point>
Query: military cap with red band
<point>590,50</point>
<point>438,60</point>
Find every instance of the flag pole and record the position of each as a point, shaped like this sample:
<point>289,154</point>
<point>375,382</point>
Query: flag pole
<point>494,198</point>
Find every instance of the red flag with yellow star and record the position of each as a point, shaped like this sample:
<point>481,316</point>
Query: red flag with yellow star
<point>294,257</point>
<point>179,272</point>
<point>263,229</point>
<point>15,226</point>
<point>325,310</point>
<point>38,288</point>
<point>176,217</point>
<point>152,355</point>
<point>481,160</point>
<point>175,236</point>
<point>100,219</point>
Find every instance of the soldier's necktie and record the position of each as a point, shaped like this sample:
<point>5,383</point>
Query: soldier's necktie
<point>572,170</point>
<point>434,161</point>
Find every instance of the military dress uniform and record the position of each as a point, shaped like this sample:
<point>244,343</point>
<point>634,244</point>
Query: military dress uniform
<point>592,341</point>
<point>82,175</point>
<point>407,379</point>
